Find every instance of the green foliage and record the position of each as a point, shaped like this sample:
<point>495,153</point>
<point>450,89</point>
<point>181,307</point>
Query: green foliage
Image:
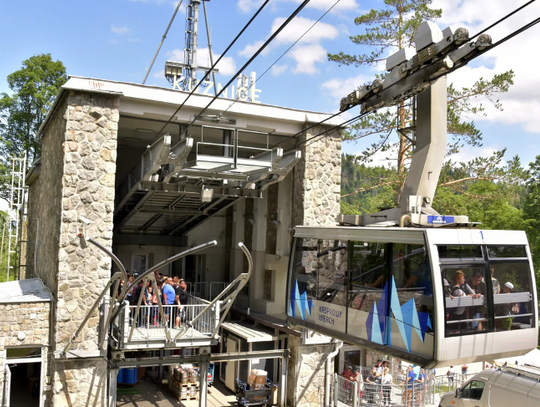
<point>4,225</point>
<point>531,211</point>
<point>34,88</point>
<point>366,189</point>
<point>394,27</point>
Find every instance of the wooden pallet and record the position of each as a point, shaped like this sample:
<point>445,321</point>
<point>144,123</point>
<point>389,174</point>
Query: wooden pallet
<point>179,397</point>
<point>196,384</point>
<point>187,398</point>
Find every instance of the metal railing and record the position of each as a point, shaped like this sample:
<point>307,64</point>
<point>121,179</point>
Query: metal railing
<point>200,290</point>
<point>206,291</point>
<point>216,288</point>
<point>349,393</point>
<point>148,324</point>
<point>447,383</point>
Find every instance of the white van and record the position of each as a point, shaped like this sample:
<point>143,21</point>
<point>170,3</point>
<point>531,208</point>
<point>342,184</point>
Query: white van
<point>513,386</point>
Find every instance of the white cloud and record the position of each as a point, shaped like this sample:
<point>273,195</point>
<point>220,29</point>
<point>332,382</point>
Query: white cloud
<point>338,88</point>
<point>308,51</point>
<point>124,32</point>
<point>306,56</point>
<point>299,26</point>
<point>518,54</point>
<point>227,66</point>
<point>121,30</point>
<point>247,6</point>
<point>250,49</point>
<point>279,69</point>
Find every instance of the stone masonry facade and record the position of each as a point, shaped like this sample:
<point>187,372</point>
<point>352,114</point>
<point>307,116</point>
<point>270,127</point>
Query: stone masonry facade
<point>24,325</point>
<point>316,201</point>
<point>317,179</point>
<point>77,176</point>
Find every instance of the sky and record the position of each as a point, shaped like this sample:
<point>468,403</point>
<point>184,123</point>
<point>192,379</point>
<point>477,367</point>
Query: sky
<point>117,39</point>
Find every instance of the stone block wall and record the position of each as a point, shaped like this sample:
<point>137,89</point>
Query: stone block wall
<point>316,201</point>
<point>78,167</point>
<point>24,325</point>
<point>306,373</point>
<point>87,190</point>
<point>317,179</point>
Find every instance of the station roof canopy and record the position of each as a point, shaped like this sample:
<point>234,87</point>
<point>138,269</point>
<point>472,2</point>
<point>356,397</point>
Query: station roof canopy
<point>24,291</point>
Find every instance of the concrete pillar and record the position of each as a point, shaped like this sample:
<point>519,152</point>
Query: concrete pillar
<point>203,384</point>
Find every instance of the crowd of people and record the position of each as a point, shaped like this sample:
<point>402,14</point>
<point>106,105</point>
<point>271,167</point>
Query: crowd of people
<point>376,387</point>
<point>475,287</point>
<point>171,291</point>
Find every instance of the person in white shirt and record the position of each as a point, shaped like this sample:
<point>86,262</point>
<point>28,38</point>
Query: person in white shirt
<point>386,382</point>
<point>450,374</point>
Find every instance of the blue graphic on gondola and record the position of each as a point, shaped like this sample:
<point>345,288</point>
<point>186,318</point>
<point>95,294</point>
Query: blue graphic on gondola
<point>406,317</point>
<point>299,302</point>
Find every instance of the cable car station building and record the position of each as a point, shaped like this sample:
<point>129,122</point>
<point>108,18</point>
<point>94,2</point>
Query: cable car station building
<point>114,168</point>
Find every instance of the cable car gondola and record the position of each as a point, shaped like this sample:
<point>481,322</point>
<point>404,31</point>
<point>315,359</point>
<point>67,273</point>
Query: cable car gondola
<point>433,296</point>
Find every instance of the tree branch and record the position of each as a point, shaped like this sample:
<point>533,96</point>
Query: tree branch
<point>370,188</point>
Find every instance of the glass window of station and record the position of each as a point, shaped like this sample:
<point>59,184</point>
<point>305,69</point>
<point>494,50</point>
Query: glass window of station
<point>487,288</point>
<point>380,292</point>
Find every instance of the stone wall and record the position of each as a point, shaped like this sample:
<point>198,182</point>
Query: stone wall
<point>45,204</point>
<point>316,201</point>
<point>306,373</point>
<point>77,178</point>
<point>24,325</point>
<point>317,179</point>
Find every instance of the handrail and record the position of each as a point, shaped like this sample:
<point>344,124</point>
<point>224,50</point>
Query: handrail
<point>239,282</point>
<point>118,305</point>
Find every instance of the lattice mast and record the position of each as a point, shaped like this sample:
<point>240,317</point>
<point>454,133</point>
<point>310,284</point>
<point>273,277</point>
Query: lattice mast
<point>190,50</point>
<point>17,214</point>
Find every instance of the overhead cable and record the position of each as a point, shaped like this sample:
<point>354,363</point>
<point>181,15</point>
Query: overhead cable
<point>501,41</point>
<point>255,55</point>
<point>213,66</point>
<point>288,49</point>
<point>502,19</point>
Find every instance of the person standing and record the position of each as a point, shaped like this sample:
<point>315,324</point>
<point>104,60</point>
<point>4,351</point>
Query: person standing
<point>494,282</point>
<point>371,385</point>
<point>450,375</point>
<point>348,376</point>
<point>386,382</point>
<point>181,300</point>
<point>169,296</point>
<point>409,387</point>
<point>420,385</point>
<point>464,370</point>
<point>357,377</point>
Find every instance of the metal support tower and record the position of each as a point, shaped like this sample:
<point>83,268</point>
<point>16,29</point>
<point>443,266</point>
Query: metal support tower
<point>190,52</point>
<point>17,212</point>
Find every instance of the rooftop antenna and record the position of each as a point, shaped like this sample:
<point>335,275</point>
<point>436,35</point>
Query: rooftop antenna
<point>184,74</point>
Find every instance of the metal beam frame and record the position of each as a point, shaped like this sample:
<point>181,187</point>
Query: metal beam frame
<point>152,160</point>
<point>216,358</point>
<point>195,190</point>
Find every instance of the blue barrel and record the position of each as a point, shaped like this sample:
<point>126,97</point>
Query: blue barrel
<point>120,378</point>
<point>130,375</point>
